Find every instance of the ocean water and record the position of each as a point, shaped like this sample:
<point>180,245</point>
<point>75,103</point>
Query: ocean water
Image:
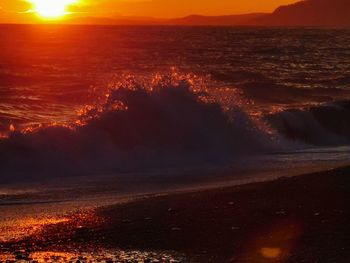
<point>48,73</point>
<point>95,115</point>
<point>97,99</point>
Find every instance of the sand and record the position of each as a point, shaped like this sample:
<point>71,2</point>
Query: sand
<point>300,219</point>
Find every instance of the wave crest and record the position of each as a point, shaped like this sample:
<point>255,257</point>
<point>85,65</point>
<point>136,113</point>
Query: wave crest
<point>325,124</point>
<point>166,120</point>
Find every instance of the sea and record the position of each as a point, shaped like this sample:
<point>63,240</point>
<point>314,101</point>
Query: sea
<point>96,115</point>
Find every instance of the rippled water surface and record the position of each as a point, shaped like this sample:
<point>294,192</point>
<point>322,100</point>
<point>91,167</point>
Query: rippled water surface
<point>48,73</point>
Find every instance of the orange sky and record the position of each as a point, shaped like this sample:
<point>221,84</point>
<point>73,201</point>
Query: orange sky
<point>10,10</point>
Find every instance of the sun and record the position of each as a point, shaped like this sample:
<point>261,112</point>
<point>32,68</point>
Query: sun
<point>51,9</point>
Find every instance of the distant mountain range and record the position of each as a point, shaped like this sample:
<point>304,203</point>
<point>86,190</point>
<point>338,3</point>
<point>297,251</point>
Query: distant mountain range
<point>227,20</point>
<point>310,13</point>
<point>303,13</point>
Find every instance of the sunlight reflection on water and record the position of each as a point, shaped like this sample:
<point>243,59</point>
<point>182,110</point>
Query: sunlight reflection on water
<point>93,256</point>
<point>22,227</point>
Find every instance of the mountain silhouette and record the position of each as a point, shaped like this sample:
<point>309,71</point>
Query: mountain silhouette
<point>200,20</point>
<point>309,13</point>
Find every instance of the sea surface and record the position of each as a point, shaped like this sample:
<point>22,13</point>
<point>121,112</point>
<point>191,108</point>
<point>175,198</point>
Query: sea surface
<point>48,73</point>
<point>95,115</point>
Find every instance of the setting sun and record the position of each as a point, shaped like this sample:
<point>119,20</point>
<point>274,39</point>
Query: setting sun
<point>51,8</point>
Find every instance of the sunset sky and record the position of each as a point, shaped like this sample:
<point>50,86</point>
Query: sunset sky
<point>22,10</point>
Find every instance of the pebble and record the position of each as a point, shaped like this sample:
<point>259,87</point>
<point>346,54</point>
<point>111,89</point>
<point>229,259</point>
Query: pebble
<point>106,256</point>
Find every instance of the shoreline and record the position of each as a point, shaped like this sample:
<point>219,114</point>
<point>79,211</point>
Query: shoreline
<point>298,219</point>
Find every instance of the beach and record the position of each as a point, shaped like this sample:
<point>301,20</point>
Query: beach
<point>299,219</point>
<point>174,139</point>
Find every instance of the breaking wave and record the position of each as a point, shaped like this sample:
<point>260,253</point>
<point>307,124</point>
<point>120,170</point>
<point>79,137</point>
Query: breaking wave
<point>166,120</point>
<point>322,125</point>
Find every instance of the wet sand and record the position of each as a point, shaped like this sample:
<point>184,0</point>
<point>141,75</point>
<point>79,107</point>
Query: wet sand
<point>300,219</point>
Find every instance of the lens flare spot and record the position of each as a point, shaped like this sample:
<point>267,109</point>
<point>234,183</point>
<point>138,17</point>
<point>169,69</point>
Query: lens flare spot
<point>270,252</point>
<point>12,128</point>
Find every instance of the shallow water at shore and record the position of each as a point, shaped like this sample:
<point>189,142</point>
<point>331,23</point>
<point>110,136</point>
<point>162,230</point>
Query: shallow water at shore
<point>226,224</point>
<point>54,201</point>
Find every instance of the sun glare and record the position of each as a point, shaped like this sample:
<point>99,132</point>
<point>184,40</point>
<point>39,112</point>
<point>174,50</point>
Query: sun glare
<point>51,8</point>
